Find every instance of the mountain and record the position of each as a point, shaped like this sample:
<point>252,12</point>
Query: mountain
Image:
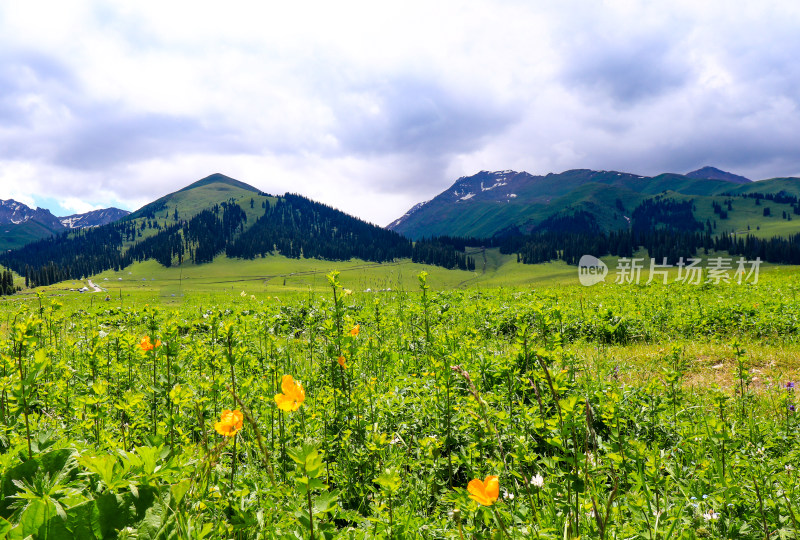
<point>93,218</point>
<point>217,216</point>
<point>16,213</point>
<point>509,202</point>
<point>21,225</point>
<point>712,173</point>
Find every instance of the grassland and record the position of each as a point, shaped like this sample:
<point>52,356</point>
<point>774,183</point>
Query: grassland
<point>274,275</point>
<point>612,411</point>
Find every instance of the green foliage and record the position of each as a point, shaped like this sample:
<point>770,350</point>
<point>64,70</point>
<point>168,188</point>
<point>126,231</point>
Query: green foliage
<point>593,406</point>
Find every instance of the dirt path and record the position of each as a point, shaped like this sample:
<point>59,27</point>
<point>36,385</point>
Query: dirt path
<point>95,287</point>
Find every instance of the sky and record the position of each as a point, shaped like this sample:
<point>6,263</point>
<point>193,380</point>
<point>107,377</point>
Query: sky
<point>372,107</point>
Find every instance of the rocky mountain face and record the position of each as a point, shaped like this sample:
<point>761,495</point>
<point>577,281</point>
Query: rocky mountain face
<point>94,218</point>
<point>21,224</point>
<point>16,213</point>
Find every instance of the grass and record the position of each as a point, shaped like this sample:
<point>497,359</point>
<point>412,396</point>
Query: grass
<point>661,410</point>
<point>746,217</point>
<point>275,275</point>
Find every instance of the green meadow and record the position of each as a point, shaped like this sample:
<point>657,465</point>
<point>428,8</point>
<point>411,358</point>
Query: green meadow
<point>279,398</point>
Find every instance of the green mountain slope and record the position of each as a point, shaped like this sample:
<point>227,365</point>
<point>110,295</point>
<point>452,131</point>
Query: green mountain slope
<point>503,202</point>
<point>16,235</point>
<point>200,195</point>
<point>214,216</point>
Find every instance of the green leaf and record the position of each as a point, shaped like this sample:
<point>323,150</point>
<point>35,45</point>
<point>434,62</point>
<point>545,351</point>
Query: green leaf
<point>35,515</point>
<point>103,466</point>
<point>149,457</point>
<point>116,512</point>
<point>50,463</point>
<point>82,521</point>
<point>389,480</point>
<point>179,490</point>
<point>325,502</point>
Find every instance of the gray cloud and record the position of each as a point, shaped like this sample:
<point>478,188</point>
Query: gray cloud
<point>29,79</point>
<point>627,73</point>
<point>149,100</point>
<point>105,137</point>
<point>419,117</point>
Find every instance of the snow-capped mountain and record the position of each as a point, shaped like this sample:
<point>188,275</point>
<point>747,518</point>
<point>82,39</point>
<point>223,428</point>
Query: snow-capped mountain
<point>17,213</point>
<point>495,202</point>
<point>21,224</point>
<point>93,218</point>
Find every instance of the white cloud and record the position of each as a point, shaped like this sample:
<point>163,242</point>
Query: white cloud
<point>78,206</point>
<point>372,107</point>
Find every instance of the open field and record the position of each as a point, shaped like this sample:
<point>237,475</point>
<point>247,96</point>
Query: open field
<point>612,411</point>
<point>275,275</point>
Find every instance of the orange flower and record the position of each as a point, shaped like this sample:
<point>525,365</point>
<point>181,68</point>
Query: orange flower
<point>484,492</point>
<point>356,329</point>
<point>293,395</point>
<point>342,362</point>
<point>146,345</point>
<point>230,422</point>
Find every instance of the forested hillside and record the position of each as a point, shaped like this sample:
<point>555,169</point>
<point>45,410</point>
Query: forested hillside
<point>213,216</point>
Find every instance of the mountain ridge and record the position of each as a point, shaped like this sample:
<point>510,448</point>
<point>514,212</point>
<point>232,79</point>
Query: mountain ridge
<point>216,216</point>
<point>712,173</point>
<point>488,202</point>
<point>21,224</point>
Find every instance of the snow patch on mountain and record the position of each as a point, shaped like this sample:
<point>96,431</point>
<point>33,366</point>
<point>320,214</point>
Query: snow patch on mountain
<point>495,185</point>
<point>405,216</point>
<point>94,218</point>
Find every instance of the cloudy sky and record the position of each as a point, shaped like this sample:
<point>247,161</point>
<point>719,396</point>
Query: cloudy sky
<point>374,106</point>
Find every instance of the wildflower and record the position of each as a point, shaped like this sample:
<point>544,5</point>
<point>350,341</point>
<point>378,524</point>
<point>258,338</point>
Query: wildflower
<point>242,294</point>
<point>484,492</point>
<point>341,362</point>
<point>508,495</point>
<point>230,423</point>
<point>347,292</point>
<point>537,481</point>
<point>355,330</point>
<point>146,345</point>
<point>790,385</point>
<point>710,515</point>
<point>293,394</point>
<point>791,407</point>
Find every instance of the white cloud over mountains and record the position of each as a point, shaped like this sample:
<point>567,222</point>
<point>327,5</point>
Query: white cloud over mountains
<point>372,107</point>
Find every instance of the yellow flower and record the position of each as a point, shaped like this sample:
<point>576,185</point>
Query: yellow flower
<point>484,492</point>
<point>230,422</point>
<point>355,330</point>
<point>146,345</point>
<point>341,361</point>
<point>293,394</point>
